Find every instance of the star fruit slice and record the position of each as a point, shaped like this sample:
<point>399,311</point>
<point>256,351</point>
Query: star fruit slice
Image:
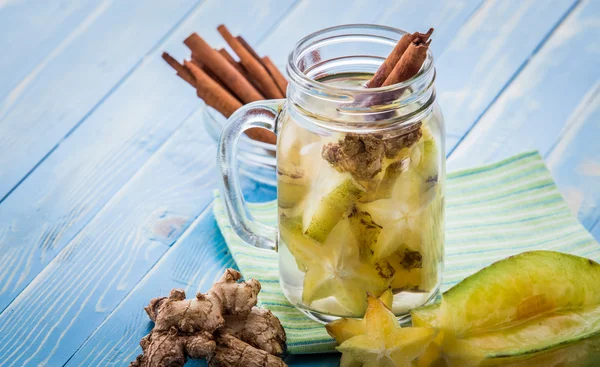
<point>346,328</point>
<point>338,272</point>
<point>383,342</point>
<point>304,249</point>
<point>331,197</point>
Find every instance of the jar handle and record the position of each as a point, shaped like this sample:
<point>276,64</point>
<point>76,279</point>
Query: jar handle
<point>261,114</point>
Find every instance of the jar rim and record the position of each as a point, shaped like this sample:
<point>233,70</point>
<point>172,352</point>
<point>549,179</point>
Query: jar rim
<point>304,46</point>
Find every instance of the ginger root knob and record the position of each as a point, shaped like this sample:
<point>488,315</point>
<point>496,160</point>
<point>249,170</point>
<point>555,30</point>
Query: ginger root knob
<point>222,325</point>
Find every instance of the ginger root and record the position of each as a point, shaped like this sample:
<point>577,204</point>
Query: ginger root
<point>222,325</point>
<point>232,351</point>
<point>362,154</point>
<point>394,145</point>
<point>359,154</point>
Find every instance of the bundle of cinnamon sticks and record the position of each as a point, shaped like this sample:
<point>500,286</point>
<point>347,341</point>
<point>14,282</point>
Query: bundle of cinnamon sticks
<point>226,84</point>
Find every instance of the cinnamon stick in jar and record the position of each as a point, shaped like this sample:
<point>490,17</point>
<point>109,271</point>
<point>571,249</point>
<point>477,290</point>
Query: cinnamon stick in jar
<point>410,63</point>
<point>227,73</point>
<point>252,65</point>
<point>394,57</point>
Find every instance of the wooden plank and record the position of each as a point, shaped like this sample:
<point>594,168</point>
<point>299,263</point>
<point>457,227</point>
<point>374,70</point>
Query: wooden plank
<point>311,15</point>
<point>193,263</point>
<point>91,165</point>
<point>79,288</point>
<point>534,108</point>
<point>447,17</point>
<point>596,230</point>
<point>56,200</point>
<point>487,52</point>
<point>575,160</point>
<point>314,360</point>
<point>53,99</point>
<point>34,32</point>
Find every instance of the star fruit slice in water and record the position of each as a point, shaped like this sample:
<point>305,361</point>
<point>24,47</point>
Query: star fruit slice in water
<point>338,272</point>
<point>330,198</point>
<point>378,339</point>
<point>304,249</point>
<point>518,306</point>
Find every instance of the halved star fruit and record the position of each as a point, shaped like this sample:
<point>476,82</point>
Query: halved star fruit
<point>518,306</point>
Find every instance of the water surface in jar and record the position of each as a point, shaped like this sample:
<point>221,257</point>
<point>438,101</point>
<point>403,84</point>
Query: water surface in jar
<point>359,213</point>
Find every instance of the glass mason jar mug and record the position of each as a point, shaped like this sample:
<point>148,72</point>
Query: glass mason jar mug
<point>360,177</point>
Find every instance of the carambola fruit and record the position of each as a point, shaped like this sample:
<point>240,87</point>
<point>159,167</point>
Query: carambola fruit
<point>391,175</point>
<point>425,157</point>
<point>301,247</point>
<point>383,342</point>
<point>322,213</point>
<point>366,232</point>
<point>291,188</point>
<point>338,272</point>
<point>518,306</point>
<point>344,329</point>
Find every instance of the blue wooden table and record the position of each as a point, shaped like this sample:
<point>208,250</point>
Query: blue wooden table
<point>107,173</point>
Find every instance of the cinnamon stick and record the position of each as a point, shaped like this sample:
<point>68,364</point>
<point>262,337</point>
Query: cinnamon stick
<point>271,69</point>
<point>394,57</point>
<point>227,73</point>
<point>232,61</point>
<point>248,47</point>
<point>251,64</point>
<point>181,70</point>
<point>241,69</point>
<point>281,81</point>
<point>211,92</point>
<point>215,78</point>
<point>218,98</point>
<point>409,64</point>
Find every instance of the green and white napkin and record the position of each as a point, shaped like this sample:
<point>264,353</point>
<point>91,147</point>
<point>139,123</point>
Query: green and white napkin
<point>492,212</point>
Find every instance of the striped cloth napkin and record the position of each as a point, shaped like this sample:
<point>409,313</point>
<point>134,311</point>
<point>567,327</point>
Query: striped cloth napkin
<point>492,212</point>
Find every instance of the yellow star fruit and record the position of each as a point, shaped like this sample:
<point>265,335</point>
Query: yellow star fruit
<point>338,272</point>
<point>344,329</point>
<point>378,339</point>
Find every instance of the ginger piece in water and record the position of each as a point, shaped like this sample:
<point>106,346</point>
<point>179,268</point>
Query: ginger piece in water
<point>362,154</point>
<point>359,154</point>
<point>222,320</point>
<point>394,145</point>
